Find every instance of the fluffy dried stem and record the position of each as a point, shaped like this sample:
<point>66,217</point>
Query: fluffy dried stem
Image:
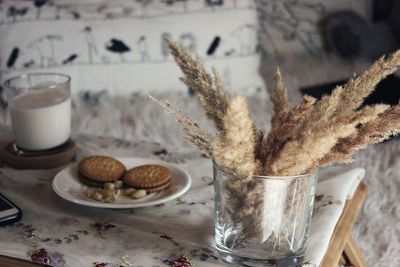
<point>385,123</point>
<point>301,155</point>
<point>259,156</point>
<point>302,138</point>
<point>210,92</point>
<point>235,150</point>
<point>192,130</point>
<point>334,117</point>
<point>284,132</point>
<point>297,156</point>
<point>347,98</point>
<point>279,100</point>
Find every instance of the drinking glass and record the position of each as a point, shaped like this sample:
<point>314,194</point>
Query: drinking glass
<point>40,109</point>
<point>262,220</point>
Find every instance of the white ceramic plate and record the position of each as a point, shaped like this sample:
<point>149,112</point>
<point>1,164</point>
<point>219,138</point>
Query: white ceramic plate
<point>67,185</point>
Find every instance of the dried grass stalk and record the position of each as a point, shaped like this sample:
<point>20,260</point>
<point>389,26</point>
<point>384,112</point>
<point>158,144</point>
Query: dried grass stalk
<point>259,156</point>
<point>303,155</point>
<point>210,92</point>
<point>347,98</point>
<point>193,133</point>
<point>334,117</point>
<point>235,150</point>
<point>385,124</point>
<point>279,100</point>
<point>302,138</point>
<point>281,108</point>
<point>285,131</point>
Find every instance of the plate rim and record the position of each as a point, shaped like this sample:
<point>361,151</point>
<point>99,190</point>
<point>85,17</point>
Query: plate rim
<point>93,204</point>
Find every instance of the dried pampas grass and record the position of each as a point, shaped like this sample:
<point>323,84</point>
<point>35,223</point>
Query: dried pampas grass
<point>302,138</point>
<point>238,133</point>
<point>210,92</point>
<point>192,130</point>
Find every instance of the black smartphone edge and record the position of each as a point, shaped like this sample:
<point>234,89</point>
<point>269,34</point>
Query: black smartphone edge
<point>12,218</point>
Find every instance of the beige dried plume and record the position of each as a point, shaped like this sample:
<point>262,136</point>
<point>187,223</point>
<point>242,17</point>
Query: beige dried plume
<point>285,132</point>
<point>301,155</point>
<point>210,92</point>
<point>259,153</point>
<point>263,145</point>
<point>234,129</point>
<point>334,118</point>
<point>386,124</point>
<point>285,123</point>
<point>193,133</point>
<point>279,100</point>
<point>303,137</point>
<point>235,149</point>
<point>347,98</point>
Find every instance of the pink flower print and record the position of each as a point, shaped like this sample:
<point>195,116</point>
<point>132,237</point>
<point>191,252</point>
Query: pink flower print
<point>103,226</point>
<point>182,261</point>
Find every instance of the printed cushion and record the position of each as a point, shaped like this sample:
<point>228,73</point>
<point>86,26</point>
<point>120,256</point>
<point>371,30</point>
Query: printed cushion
<point>117,47</point>
<point>294,27</point>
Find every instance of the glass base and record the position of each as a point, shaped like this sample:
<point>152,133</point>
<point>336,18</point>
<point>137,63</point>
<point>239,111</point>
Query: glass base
<point>30,153</point>
<point>232,259</point>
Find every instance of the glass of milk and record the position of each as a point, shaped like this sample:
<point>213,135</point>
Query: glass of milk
<point>40,108</point>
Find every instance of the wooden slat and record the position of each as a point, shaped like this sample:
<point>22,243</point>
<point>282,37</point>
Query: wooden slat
<point>344,226</point>
<point>353,253</point>
<point>342,261</point>
<point>12,262</point>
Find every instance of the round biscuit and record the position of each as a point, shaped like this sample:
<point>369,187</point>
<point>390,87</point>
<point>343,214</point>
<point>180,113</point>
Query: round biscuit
<point>101,168</point>
<point>147,176</point>
<point>158,188</point>
<point>89,182</point>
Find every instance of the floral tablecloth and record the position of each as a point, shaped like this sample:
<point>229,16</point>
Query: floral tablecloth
<point>59,233</point>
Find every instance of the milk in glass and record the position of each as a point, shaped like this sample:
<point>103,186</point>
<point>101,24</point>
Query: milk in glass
<point>41,119</point>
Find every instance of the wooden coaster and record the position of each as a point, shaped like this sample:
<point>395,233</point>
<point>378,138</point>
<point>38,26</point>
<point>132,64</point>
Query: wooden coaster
<point>46,161</point>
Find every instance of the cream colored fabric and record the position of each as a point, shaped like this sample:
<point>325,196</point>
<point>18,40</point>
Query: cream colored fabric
<point>143,236</point>
<point>331,197</point>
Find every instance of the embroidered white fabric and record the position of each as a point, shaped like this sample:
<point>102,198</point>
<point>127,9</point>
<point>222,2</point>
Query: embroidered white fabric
<point>144,236</point>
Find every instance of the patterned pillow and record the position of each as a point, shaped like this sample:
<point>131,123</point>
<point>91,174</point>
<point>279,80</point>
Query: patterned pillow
<point>290,27</point>
<point>117,46</point>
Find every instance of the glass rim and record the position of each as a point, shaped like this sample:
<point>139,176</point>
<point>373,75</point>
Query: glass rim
<point>278,177</point>
<point>25,75</point>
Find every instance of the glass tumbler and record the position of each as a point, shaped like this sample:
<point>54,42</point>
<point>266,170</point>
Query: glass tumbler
<point>40,109</point>
<point>262,220</point>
